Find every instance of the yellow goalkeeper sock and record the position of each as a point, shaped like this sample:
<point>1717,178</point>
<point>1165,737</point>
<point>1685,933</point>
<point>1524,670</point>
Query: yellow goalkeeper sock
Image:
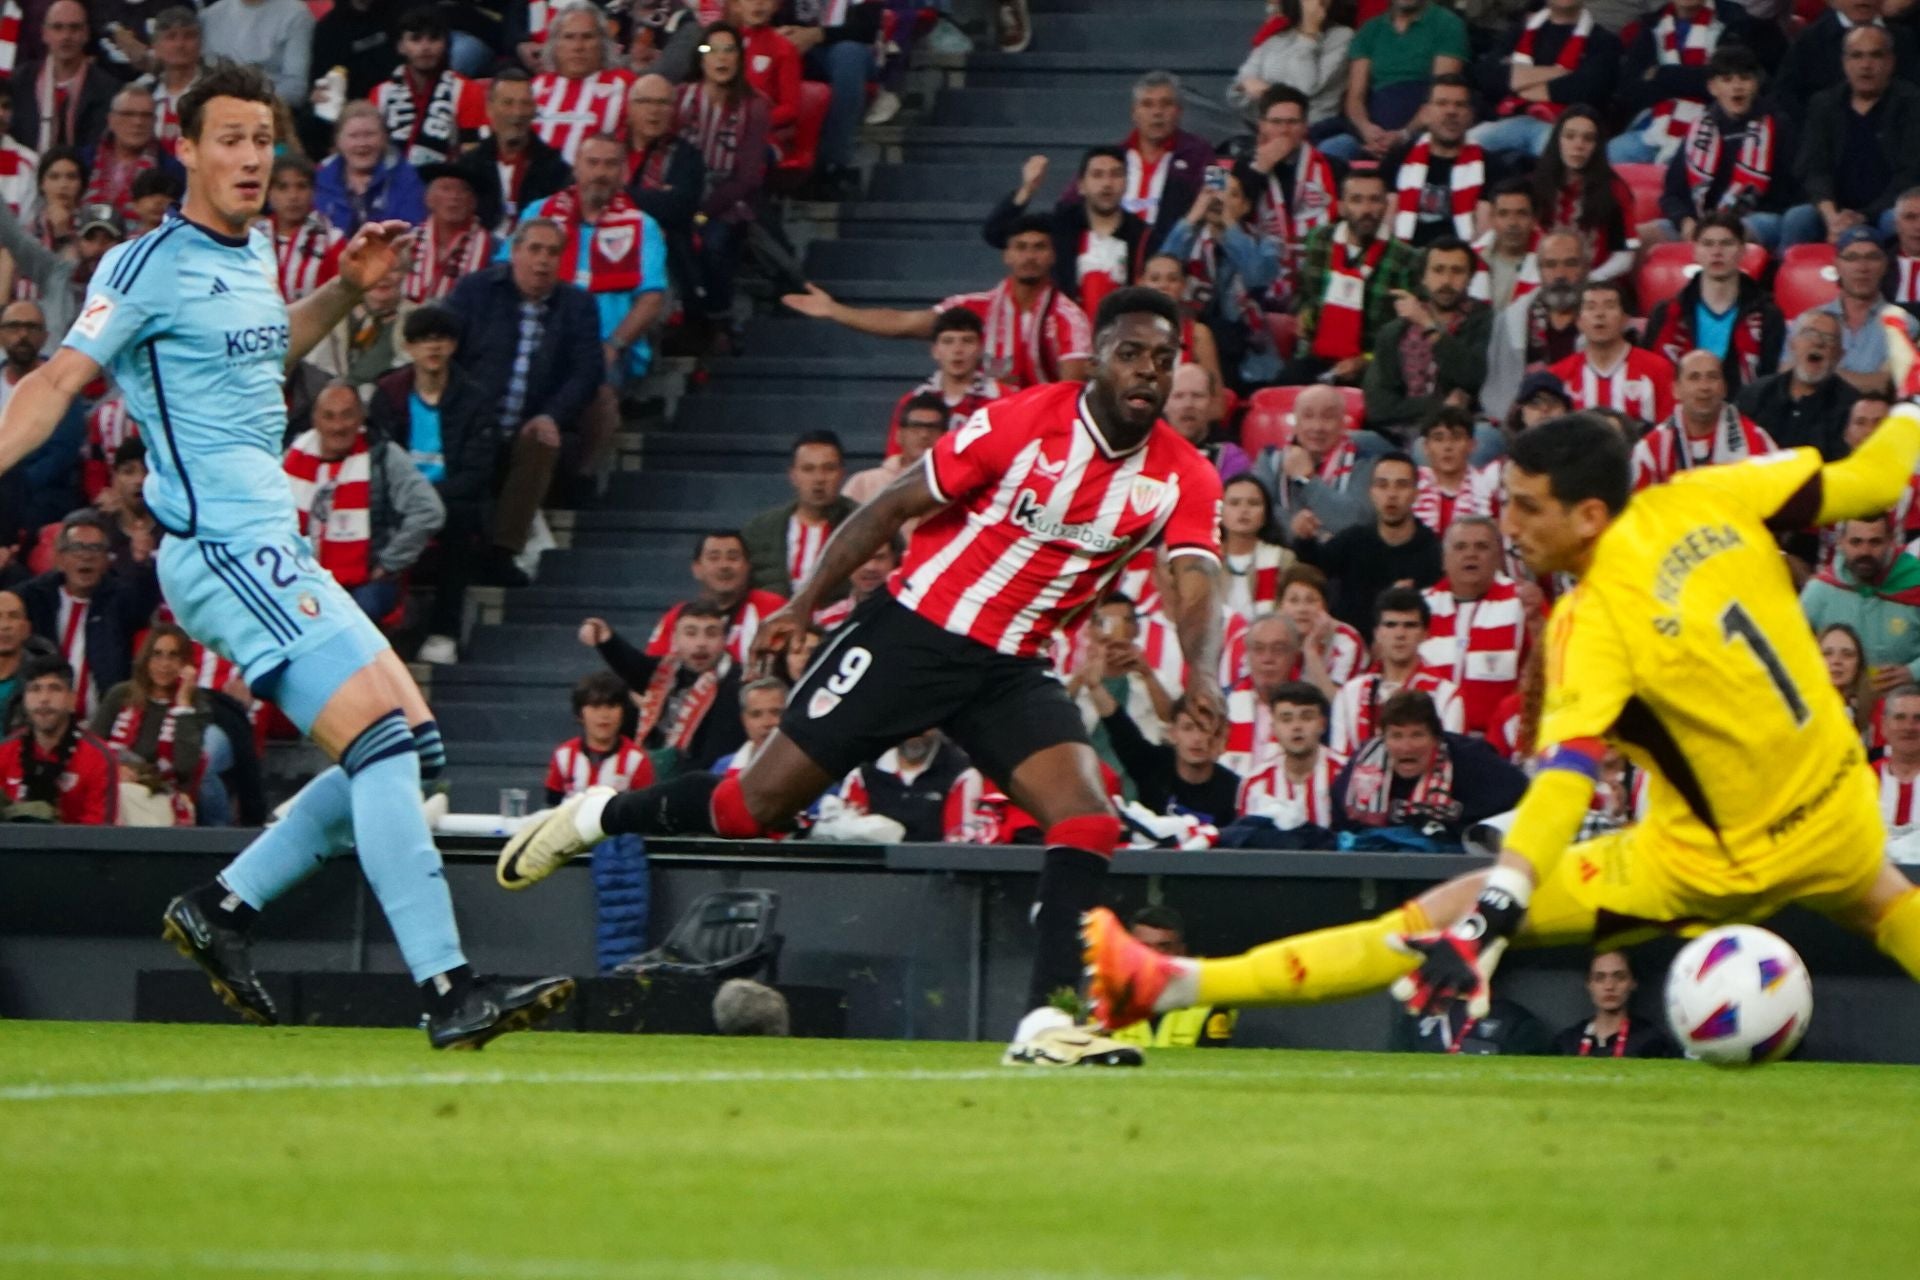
<point>1898,932</point>
<point>1327,964</point>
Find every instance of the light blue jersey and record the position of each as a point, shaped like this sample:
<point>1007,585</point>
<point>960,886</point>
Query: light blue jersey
<point>192,327</point>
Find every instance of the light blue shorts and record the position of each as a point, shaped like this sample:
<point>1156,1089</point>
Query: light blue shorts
<point>267,606</point>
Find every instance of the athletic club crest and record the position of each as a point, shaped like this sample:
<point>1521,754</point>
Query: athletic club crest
<point>823,701</point>
<point>615,242</point>
<point>1148,494</point>
<point>308,605</point>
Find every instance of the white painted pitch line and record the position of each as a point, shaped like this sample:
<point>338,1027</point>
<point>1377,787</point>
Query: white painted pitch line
<point>54,1091</point>
<point>307,1262</point>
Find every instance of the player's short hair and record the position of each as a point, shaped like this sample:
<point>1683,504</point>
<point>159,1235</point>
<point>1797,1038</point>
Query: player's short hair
<point>700,609</point>
<point>1132,301</point>
<point>926,402</point>
<point>765,684</point>
<point>1159,916</point>
<point>422,20</point>
<point>1582,455</point>
<point>1614,287</point>
<point>1411,707</point>
<point>42,665</point>
<point>1031,224</point>
<point>132,449</point>
<point>1101,153</point>
<point>156,182</point>
<point>601,689</point>
<point>430,322</point>
<point>1278,93</point>
<point>743,1007</point>
<point>1303,575</point>
<point>1396,455</point>
<point>822,436</point>
<point>958,320</point>
<point>1401,600</point>
<point>1447,244</point>
<point>1720,220</point>
<point>225,78</point>
<point>1298,693</point>
<point>1448,415</point>
<point>723,535</point>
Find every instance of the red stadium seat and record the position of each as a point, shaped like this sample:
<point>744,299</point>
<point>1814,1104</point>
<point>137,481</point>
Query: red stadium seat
<point>1667,268</point>
<point>1645,181</point>
<point>1754,259</point>
<point>795,167</point>
<point>1807,278</point>
<point>1269,419</point>
<point>40,555</point>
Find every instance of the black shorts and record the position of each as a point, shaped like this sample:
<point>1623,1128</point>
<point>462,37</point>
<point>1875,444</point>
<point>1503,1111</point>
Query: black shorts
<point>886,674</point>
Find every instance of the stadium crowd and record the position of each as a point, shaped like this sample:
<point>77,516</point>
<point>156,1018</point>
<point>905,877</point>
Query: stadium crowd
<point>1434,229</point>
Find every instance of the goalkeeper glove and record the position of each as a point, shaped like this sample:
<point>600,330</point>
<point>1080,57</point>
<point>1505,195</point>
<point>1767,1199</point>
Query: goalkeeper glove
<point>1458,964</point>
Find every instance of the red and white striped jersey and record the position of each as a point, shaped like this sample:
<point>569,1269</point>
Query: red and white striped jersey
<point>1314,793</point>
<point>1667,450</point>
<point>1437,509</point>
<point>1897,799</point>
<point>742,626</point>
<point>308,257</point>
<point>1346,654</point>
<point>441,259</point>
<point>1906,279</point>
<point>1042,514</point>
<point>806,539</point>
<point>1357,707</point>
<point>1639,384</point>
<point>565,111</point>
<point>573,768</point>
<point>1478,645</point>
<point>17,175</point>
<point>1250,740</point>
<point>166,110</point>
<point>1026,348</point>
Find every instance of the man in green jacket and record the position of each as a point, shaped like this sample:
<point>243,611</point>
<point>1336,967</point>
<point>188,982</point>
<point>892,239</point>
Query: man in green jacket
<point>1434,352</point>
<point>1873,587</point>
<point>784,542</point>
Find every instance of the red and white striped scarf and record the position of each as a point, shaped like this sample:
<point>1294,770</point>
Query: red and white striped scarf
<point>1343,655</point>
<point>1896,796</point>
<point>1477,644</point>
<point>439,261</point>
<point>73,647</point>
<point>689,708</point>
<point>1336,469</point>
<point>714,126</point>
<point>1015,348</point>
<point>1203,287</point>
<point>1287,216</point>
<point>1674,117</point>
<point>1263,577</point>
<point>1340,331</point>
<point>108,426</point>
<point>1358,707</point>
<point>334,501</point>
<point>1524,283</point>
<point>1906,279</point>
<point>1752,167</point>
<point>1250,741</point>
<point>1667,450</point>
<point>1437,509</point>
<point>614,241</point>
<point>1569,58</point>
<point>805,542</point>
<point>305,255</point>
<point>1369,799</point>
<point>111,181</point>
<point>1145,182</point>
<point>1314,793</point>
<point>9,36</point>
<point>17,175</point>
<point>124,733</point>
<point>1469,176</point>
<point>59,120</point>
<point>166,110</point>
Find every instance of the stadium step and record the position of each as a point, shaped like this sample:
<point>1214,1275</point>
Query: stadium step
<point>865,259</point>
<point>780,417</point>
<point>697,490</point>
<point>1088,106</point>
<point>755,451</point>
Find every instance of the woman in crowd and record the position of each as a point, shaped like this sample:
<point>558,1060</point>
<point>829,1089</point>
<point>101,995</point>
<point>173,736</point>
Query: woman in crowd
<point>1331,652</point>
<point>1848,670</point>
<point>1230,262</point>
<point>366,181</point>
<point>1304,44</point>
<point>722,116</point>
<point>1254,558</point>
<point>157,724</point>
<point>52,216</point>
<point>1574,187</point>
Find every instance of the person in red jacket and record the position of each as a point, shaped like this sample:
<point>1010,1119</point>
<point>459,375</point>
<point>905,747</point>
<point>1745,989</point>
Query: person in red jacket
<point>54,770</point>
<point>773,64</point>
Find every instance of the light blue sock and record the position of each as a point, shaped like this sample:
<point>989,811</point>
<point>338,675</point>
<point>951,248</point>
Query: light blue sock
<point>318,826</point>
<point>396,849</point>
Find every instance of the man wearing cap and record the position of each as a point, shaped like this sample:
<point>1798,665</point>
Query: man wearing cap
<point>1861,309</point>
<point>430,110</point>
<point>452,242</point>
<point>62,281</point>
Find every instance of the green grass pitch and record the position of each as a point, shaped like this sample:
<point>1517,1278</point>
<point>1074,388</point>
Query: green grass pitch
<point>217,1152</point>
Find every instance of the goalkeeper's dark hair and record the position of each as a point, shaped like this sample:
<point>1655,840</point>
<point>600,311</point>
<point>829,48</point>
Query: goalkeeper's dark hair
<point>1582,455</point>
<point>224,79</point>
<point>1134,300</point>
<point>601,689</point>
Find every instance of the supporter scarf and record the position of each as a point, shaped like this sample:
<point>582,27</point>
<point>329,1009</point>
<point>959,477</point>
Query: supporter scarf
<point>1438,510</point>
<point>113,175</point>
<point>125,733</point>
<point>1673,117</point>
<point>649,164</point>
<point>1525,283</point>
<point>439,262</point>
<point>1369,799</point>
<point>1569,58</point>
<point>56,101</point>
<point>1100,267</point>
<point>1674,338</point>
<point>40,775</point>
<point>714,126</point>
<point>1730,441</point>
<point>688,709</point>
<point>1335,470</point>
<point>423,122</point>
<point>1468,178</point>
<point>1287,216</point>
<point>1752,167</point>
<point>1901,585</point>
<point>1016,356</point>
<point>613,256</point>
<point>334,501</point>
<point>303,254</point>
<point>1341,330</point>
<point>1145,182</point>
<point>9,36</point>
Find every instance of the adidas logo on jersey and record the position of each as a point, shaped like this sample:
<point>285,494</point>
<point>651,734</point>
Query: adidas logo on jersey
<point>219,287</point>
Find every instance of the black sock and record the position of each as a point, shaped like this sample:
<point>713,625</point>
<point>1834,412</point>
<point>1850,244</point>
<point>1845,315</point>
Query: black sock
<point>681,806</point>
<point>223,906</point>
<point>1070,885</point>
<point>445,990</point>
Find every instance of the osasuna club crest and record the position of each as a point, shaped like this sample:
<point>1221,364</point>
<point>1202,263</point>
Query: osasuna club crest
<point>616,242</point>
<point>1148,494</point>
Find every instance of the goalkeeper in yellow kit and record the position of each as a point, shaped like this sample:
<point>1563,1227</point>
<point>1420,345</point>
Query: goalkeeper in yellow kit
<point>1683,645</point>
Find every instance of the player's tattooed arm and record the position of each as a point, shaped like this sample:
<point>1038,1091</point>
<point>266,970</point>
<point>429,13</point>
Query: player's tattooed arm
<point>1193,601</point>
<point>869,528</point>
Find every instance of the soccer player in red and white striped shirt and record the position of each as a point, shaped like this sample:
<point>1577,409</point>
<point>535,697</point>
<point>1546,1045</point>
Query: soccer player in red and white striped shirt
<point>1610,372</point>
<point>305,244</point>
<point>1480,630</point>
<point>1899,768</point>
<point>1026,514</point>
<point>1303,770</point>
<point>601,756</point>
<point>580,93</point>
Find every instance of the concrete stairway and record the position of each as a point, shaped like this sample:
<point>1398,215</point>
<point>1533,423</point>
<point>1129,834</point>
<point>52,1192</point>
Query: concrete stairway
<point>718,453</point>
